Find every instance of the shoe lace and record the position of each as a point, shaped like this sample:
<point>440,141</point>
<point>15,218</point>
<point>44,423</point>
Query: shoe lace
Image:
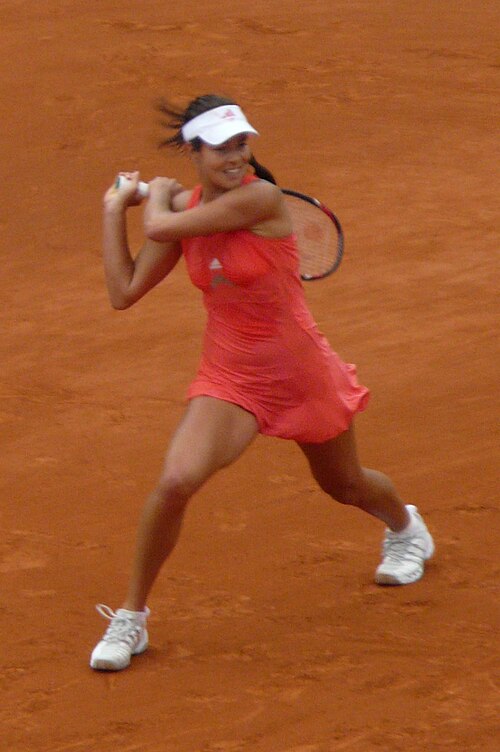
<point>400,549</point>
<point>121,628</point>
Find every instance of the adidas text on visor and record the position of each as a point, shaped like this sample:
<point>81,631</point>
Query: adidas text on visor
<point>217,125</point>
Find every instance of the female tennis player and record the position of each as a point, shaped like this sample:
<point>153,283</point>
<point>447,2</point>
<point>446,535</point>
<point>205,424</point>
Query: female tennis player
<point>265,367</point>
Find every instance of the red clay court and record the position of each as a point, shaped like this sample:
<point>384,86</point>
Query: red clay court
<point>268,634</point>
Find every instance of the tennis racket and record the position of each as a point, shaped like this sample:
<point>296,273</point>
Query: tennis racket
<point>320,238</point>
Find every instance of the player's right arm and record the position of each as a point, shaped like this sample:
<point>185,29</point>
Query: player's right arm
<point>128,279</point>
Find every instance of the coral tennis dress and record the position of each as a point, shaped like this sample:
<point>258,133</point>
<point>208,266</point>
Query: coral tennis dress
<point>262,349</point>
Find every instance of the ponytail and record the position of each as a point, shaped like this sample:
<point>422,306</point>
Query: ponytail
<point>261,171</point>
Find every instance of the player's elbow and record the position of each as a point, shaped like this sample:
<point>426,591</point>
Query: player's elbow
<point>158,226</point>
<point>120,300</point>
<point>155,230</point>
<point>120,305</point>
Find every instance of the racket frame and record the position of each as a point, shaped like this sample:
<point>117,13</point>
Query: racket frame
<point>340,233</point>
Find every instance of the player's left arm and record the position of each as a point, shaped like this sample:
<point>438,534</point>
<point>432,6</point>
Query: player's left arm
<point>245,207</point>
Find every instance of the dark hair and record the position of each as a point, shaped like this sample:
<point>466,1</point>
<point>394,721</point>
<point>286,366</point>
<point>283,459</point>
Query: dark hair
<point>177,118</point>
<point>261,171</point>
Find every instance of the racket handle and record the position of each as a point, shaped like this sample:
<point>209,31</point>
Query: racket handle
<point>142,187</point>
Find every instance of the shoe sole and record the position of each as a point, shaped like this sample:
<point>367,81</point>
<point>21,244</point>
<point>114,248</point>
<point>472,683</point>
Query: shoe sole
<point>388,579</point>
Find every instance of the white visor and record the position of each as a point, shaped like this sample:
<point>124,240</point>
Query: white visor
<point>217,125</point>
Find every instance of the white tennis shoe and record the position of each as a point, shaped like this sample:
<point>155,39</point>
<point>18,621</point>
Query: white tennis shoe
<point>125,636</point>
<point>404,554</point>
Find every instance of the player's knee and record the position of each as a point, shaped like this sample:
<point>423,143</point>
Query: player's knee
<point>176,488</point>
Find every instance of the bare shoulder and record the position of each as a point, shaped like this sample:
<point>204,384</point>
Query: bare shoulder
<point>274,221</point>
<point>258,193</point>
<point>265,190</point>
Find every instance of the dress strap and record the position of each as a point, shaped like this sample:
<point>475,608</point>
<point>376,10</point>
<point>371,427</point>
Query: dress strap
<point>195,197</point>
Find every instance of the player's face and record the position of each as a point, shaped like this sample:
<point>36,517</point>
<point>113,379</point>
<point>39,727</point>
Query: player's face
<point>226,165</point>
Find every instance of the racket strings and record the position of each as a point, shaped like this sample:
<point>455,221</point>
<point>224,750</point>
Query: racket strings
<point>317,237</point>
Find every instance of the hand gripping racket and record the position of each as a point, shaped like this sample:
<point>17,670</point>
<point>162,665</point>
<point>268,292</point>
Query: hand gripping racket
<point>320,238</point>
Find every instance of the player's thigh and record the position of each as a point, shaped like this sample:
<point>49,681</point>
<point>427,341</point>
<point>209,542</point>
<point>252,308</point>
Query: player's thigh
<point>212,434</point>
